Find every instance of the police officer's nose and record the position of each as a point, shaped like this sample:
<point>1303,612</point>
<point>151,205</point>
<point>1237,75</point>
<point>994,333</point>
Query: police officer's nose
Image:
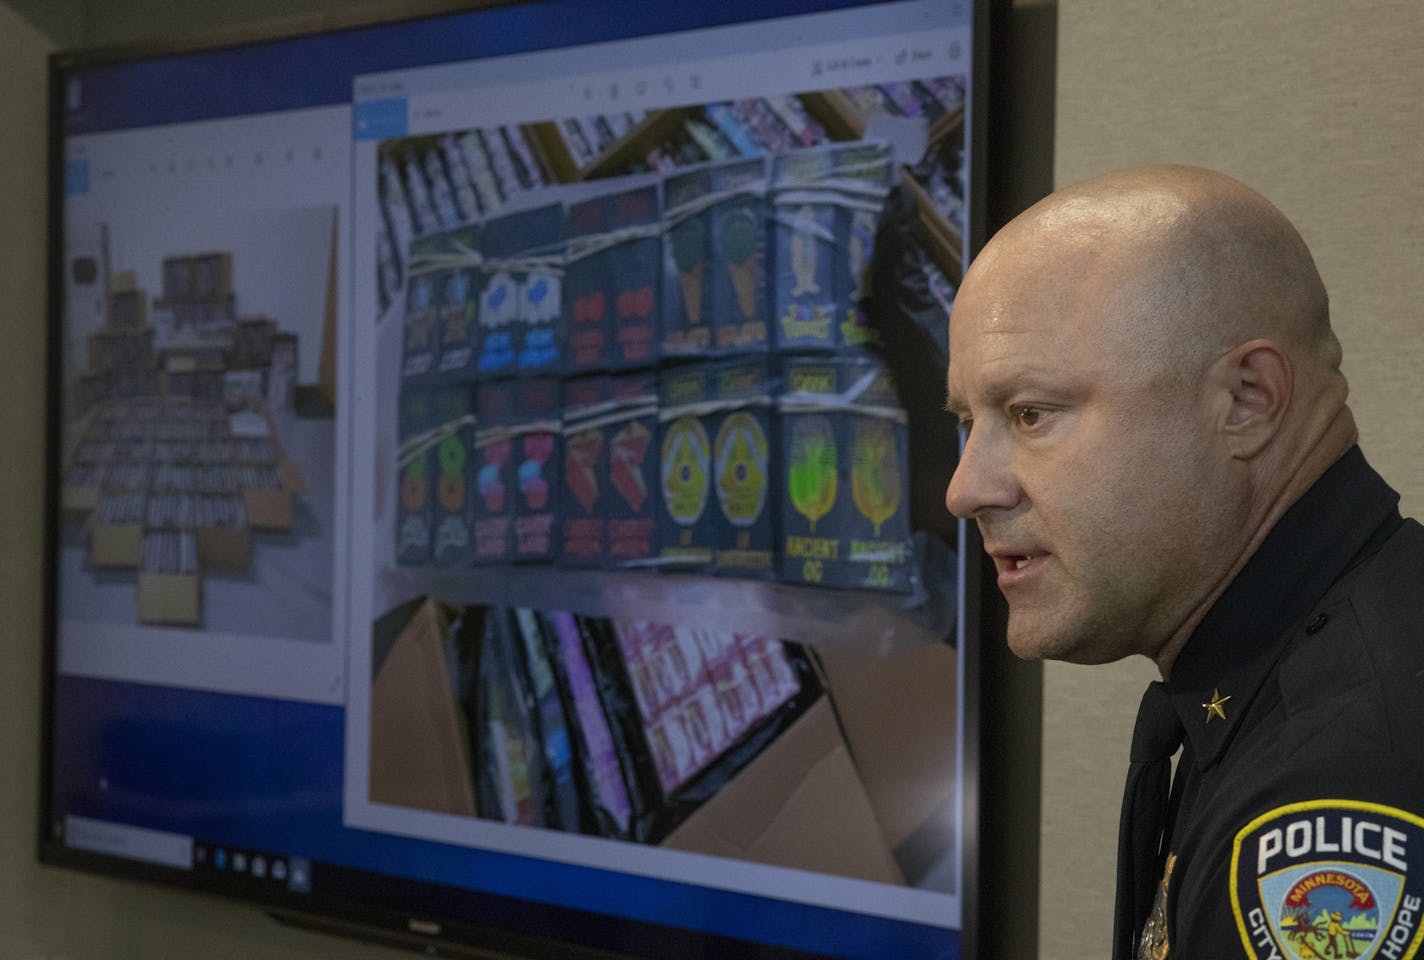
<point>981,481</point>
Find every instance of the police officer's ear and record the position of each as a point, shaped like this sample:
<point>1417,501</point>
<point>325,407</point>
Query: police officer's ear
<point>1254,383</point>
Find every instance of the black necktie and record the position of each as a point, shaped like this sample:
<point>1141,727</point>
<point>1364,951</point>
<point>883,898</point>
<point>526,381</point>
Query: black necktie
<point>1155,738</point>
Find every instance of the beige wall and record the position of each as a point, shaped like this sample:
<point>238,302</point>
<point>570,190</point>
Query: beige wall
<point>1315,102</point>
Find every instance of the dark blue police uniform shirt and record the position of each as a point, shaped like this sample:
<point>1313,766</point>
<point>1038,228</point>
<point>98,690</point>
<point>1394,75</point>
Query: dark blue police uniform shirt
<point>1297,824</point>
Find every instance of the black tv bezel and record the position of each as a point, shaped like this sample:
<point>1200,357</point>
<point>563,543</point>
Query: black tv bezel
<point>456,927</point>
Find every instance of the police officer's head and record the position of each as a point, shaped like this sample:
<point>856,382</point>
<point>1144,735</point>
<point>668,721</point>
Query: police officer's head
<point>1147,369</point>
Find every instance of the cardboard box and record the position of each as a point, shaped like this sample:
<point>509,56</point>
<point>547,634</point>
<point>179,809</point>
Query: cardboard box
<point>116,529</point>
<point>268,509</point>
<point>126,310</point>
<point>211,276</point>
<point>177,278</point>
<point>77,501</point>
<point>418,752</point>
<point>83,481</point>
<point>252,343</point>
<point>194,381</point>
<point>269,504</point>
<point>117,546</point>
<point>196,356</point>
<point>897,710</point>
<point>217,315</point>
<point>282,375</point>
<point>128,384</point>
<point>168,582</point>
<point>862,785</point>
<point>92,389</point>
<point>800,804</point>
<point>289,473</point>
<point>244,387</point>
<point>173,599</point>
<point>121,349</point>
<point>225,549</point>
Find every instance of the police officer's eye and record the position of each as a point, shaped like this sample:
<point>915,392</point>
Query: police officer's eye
<point>1027,416</point>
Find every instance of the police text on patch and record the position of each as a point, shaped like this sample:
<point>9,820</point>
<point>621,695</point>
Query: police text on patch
<point>1333,834</point>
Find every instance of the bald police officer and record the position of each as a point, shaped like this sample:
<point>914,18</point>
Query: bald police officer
<point>1161,462</point>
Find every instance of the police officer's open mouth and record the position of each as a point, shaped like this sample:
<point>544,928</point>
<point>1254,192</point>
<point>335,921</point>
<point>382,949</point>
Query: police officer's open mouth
<point>1009,562</point>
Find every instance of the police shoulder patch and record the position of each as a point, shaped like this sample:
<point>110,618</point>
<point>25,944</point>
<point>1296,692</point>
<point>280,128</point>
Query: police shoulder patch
<point>1330,878</point>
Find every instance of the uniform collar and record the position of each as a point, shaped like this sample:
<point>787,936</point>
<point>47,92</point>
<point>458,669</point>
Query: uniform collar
<point>1233,649</point>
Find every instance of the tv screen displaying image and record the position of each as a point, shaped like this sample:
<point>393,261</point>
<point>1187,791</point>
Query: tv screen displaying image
<point>490,505</point>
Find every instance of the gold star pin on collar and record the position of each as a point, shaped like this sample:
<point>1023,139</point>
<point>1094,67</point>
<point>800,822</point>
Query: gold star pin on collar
<point>1217,706</point>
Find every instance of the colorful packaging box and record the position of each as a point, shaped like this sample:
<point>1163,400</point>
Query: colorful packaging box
<point>877,531</point>
<point>521,306</point>
<point>635,274</point>
<point>603,769</point>
<point>452,486</point>
<point>827,203</point>
<point>805,294</point>
<point>587,303</point>
<point>456,304</point>
<point>687,520</point>
<point>687,276</point>
<point>631,490</point>
<point>418,346</point>
<point>844,511</point>
<point>582,523</point>
<point>740,308</point>
<point>611,284</point>
<point>494,466</point>
<point>698,691</point>
<point>742,468</point>
<point>811,428</point>
<point>866,171</point>
<point>537,453</point>
<point>416,466</point>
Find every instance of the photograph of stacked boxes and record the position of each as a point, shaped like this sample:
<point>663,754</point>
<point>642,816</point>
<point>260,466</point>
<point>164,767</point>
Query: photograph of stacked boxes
<point>197,461</point>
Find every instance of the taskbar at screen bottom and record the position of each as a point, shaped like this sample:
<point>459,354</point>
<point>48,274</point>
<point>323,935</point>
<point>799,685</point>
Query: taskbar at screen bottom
<point>445,920</point>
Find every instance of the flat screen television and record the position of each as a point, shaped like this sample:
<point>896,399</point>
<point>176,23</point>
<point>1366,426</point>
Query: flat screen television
<point>495,478</point>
